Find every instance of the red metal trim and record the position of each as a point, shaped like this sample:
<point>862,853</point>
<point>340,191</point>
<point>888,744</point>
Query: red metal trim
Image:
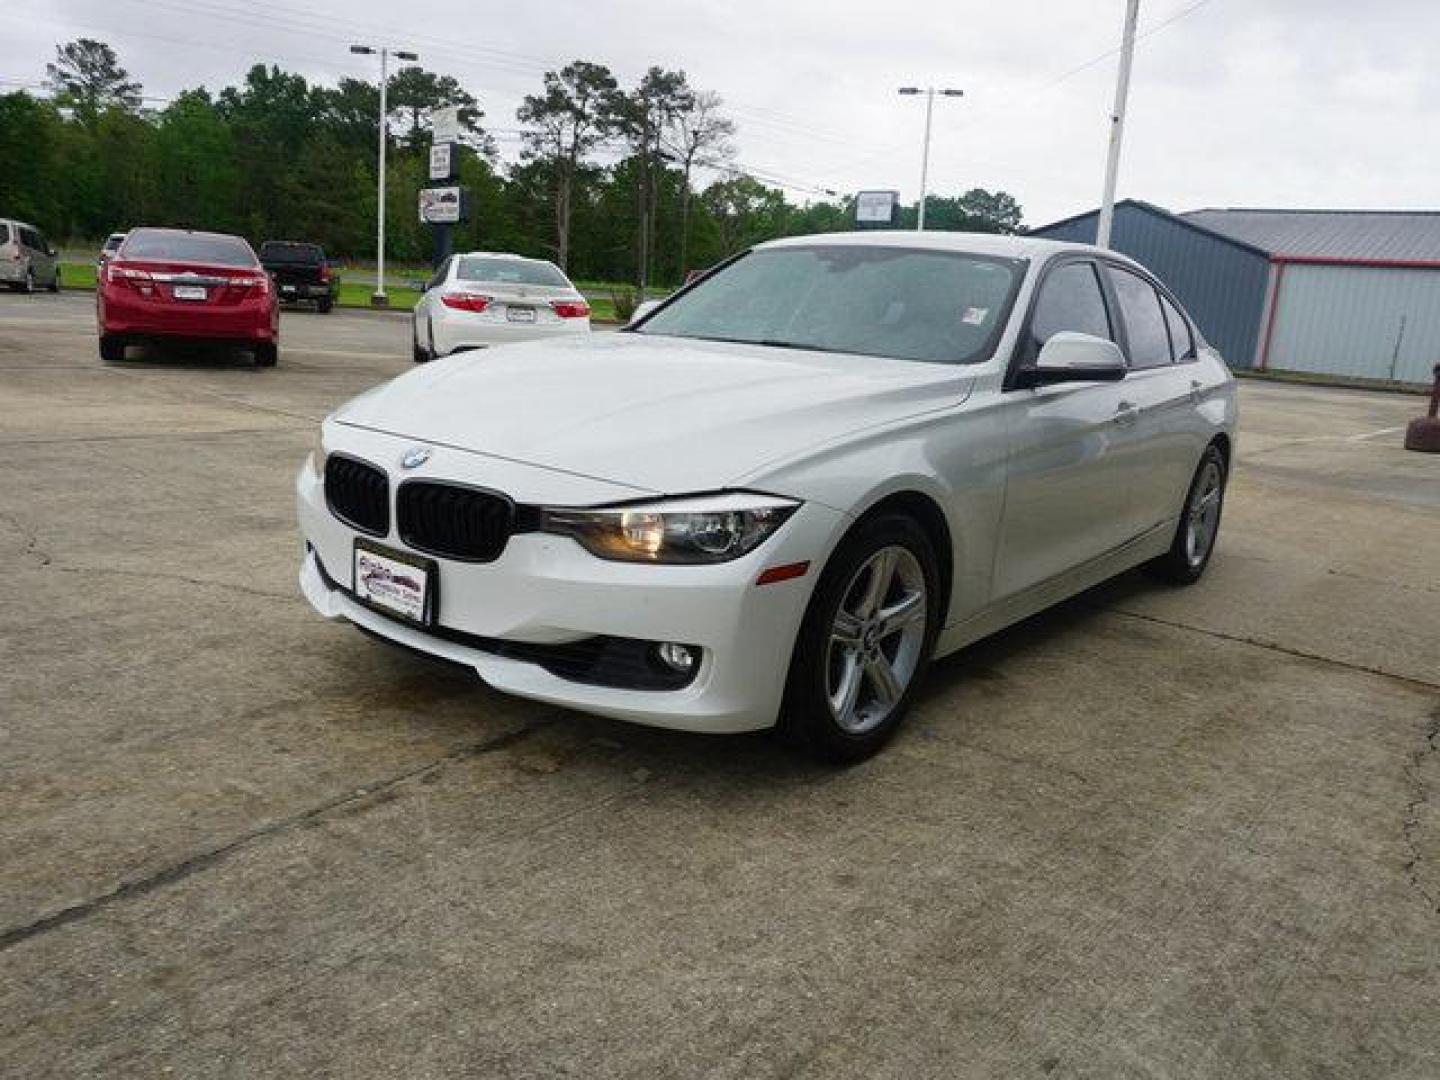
<point>1270,318</point>
<point>1373,264</point>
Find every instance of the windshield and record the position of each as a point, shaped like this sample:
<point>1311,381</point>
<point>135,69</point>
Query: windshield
<point>509,271</point>
<point>158,246</point>
<point>909,304</point>
<point>279,252</point>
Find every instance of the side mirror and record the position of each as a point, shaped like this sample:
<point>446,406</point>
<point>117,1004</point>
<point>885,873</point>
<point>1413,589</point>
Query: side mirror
<point>645,307</point>
<point>1074,357</point>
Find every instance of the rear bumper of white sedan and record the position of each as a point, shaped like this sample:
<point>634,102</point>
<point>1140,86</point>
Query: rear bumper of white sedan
<point>453,330</point>
<point>521,621</point>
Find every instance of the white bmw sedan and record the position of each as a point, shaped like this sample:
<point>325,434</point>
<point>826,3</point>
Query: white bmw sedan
<point>486,298</point>
<point>773,499</point>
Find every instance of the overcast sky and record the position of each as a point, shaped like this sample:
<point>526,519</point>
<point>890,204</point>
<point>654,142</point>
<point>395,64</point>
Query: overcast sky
<point>1324,103</point>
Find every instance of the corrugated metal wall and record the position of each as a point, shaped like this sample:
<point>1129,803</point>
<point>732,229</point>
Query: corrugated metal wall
<point>1367,322</point>
<point>1221,284</point>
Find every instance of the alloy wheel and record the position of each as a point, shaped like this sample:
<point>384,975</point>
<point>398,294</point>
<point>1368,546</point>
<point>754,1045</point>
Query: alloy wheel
<point>1202,516</point>
<point>877,639</point>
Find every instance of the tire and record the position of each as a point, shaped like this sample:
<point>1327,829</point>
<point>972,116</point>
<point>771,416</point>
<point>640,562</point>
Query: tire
<point>28,285</point>
<point>55,281</point>
<point>839,705</point>
<point>324,306</point>
<point>418,352</point>
<point>1199,524</point>
<point>267,355</point>
<point>112,348</point>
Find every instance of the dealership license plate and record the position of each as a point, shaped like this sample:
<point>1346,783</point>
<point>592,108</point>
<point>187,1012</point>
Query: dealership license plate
<point>520,314</point>
<point>397,583</point>
<point>189,292</point>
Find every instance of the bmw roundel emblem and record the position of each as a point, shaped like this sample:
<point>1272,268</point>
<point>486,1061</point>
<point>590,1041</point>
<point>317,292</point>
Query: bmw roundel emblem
<point>415,457</point>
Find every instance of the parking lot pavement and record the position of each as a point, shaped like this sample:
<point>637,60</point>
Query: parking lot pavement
<point>1150,834</point>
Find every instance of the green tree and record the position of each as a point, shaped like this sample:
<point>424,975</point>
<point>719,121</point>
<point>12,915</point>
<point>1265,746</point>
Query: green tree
<point>564,124</point>
<point>698,134</point>
<point>412,92</point>
<point>87,76</point>
<point>642,118</point>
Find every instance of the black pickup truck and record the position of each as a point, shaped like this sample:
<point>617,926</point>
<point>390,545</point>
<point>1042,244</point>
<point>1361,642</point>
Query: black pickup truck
<point>301,272</point>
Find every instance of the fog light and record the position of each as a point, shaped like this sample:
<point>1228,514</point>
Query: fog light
<point>680,658</point>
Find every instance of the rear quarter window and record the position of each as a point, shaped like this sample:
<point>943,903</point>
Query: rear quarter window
<point>4,232</point>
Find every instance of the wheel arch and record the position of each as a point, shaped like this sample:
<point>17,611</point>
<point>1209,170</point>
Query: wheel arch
<point>925,512</point>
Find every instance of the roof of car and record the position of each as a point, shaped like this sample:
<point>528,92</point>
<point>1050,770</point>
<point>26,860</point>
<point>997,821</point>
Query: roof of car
<point>1016,247</point>
<point>183,232</point>
<point>500,255</point>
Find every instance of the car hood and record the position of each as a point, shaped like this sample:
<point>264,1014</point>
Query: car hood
<point>658,414</point>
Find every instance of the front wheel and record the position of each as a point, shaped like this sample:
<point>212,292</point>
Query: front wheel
<point>1194,541</point>
<point>112,348</point>
<point>864,643</point>
<point>267,355</point>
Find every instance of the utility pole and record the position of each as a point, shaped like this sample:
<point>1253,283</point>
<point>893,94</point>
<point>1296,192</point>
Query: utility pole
<point>378,298</point>
<point>929,93</point>
<point>1117,124</point>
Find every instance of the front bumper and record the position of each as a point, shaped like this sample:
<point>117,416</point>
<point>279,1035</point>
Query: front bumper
<point>546,589</point>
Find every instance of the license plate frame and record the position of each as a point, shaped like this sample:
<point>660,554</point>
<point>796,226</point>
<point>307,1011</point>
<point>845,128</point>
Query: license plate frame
<point>190,292</point>
<point>520,314</point>
<point>379,581</point>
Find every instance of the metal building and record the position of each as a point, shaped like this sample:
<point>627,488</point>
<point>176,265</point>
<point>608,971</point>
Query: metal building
<point>1336,292</point>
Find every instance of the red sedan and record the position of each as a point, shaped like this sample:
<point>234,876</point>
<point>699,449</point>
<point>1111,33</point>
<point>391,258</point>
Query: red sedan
<point>173,284</point>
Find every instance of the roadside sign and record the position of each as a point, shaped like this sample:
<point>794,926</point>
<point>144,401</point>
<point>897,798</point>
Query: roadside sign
<point>442,160</point>
<point>445,124</point>
<point>876,207</point>
<point>441,205</point>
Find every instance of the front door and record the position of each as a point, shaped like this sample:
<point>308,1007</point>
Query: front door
<point>1074,452</point>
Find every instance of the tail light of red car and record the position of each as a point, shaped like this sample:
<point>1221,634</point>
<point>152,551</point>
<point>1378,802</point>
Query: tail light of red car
<point>140,280</point>
<point>571,309</point>
<point>465,301</point>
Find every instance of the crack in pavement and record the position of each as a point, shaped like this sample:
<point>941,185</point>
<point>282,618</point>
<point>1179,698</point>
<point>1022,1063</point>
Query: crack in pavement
<point>160,575</point>
<point>1410,827</point>
<point>1273,646</point>
<point>207,859</point>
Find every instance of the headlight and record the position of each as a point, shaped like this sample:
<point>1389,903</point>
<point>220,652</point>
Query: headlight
<point>700,529</point>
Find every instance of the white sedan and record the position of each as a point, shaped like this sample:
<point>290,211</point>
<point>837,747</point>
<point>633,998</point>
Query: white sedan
<point>774,498</point>
<point>486,298</point>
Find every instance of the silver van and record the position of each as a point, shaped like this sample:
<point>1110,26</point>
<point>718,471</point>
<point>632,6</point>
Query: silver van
<point>27,261</point>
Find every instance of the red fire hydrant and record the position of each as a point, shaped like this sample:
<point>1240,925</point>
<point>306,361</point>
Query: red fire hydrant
<point>1424,434</point>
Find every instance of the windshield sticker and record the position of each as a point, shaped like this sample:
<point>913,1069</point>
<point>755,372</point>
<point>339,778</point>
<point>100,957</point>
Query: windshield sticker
<point>975,316</point>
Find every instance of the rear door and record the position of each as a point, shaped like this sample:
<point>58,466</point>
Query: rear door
<point>1163,397</point>
<point>1072,447</point>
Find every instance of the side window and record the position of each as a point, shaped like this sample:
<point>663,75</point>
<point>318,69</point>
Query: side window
<point>41,244</point>
<point>29,239</point>
<point>1070,299</point>
<point>1182,341</point>
<point>1144,320</point>
<point>440,274</point>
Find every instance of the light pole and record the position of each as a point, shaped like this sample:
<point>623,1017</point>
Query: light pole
<point>378,298</point>
<point>929,93</point>
<point>1117,125</point>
